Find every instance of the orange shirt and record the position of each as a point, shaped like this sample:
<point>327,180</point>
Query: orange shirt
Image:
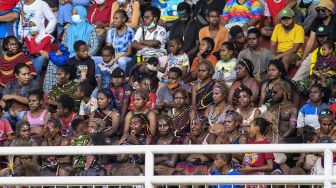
<point>222,36</point>
<point>197,61</point>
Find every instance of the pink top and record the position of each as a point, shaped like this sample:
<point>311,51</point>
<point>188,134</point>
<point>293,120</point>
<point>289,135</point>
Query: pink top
<point>36,122</point>
<point>5,129</point>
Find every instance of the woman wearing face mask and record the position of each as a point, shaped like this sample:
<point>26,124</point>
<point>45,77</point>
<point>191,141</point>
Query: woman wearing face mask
<point>132,8</point>
<point>38,43</point>
<point>120,37</point>
<point>13,56</point>
<point>99,17</point>
<point>80,29</point>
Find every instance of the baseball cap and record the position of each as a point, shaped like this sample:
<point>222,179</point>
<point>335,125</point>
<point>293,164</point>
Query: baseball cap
<point>117,73</point>
<point>286,13</point>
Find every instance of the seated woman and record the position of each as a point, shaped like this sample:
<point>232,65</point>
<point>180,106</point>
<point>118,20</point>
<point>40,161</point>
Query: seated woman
<point>13,56</point>
<point>277,72</point>
<point>140,99</point>
<point>55,165</point>
<point>37,116</point>
<point>23,137</point>
<point>99,17</point>
<point>38,43</point>
<point>165,164</point>
<point>245,79</point>
<point>181,113</point>
<point>245,108</point>
<point>16,92</point>
<point>203,89</point>
<point>245,13</point>
<point>216,112</point>
<point>132,8</point>
<point>65,76</point>
<point>107,111</point>
<point>80,29</point>
<point>120,37</point>
<point>196,164</point>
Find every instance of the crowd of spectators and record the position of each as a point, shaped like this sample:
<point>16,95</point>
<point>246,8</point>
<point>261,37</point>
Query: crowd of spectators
<point>124,72</point>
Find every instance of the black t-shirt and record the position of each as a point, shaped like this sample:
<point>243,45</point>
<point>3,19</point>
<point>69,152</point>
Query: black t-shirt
<point>214,5</point>
<point>187,31</point>
<point>331,26</point>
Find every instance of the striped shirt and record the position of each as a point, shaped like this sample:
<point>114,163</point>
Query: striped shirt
<point>308,115</point>
<point>235,12</point>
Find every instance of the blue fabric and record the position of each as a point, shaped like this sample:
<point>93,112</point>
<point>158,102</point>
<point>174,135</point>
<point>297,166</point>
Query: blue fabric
<point>120,43</point>
<point>59,60</point>
<point>215,173</point>
<point>81,2</point>
<point>9,28</point>
<point>80,31</point>
<point>64,13</point>
<point>38,64</point>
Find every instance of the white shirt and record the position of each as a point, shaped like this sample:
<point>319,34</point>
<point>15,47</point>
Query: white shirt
<point>158,34</point>
<point>39,10</point>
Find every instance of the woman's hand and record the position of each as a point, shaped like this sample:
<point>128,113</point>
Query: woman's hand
<point>44,54</point>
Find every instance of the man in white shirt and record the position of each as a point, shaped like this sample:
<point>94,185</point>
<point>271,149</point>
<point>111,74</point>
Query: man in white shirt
<point>150,39</point>
<point>37,10</point>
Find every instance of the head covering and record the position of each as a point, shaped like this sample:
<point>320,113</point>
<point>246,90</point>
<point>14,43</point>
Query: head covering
<point>41,31</point>
<point>248,65</point>
<point>328,4</point>
<point>117,73</point>
<point>286,12</point>
<point>100,122</point>
<point>78,31</point>
<point>322,31</point>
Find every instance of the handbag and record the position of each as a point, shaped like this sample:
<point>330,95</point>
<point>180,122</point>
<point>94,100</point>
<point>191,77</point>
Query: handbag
<point>200,18</point>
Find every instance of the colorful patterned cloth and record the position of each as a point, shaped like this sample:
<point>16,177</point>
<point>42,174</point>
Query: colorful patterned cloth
<point>234,12</point>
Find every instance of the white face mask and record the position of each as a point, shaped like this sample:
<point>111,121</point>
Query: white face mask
<point>33,29</point>
<point>76,18</point>
<point>151,25</point>
<point>122,1</point>
<point>99,2</point>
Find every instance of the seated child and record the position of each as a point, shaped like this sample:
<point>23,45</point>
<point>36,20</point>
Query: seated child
<point>325,67</point>
<point>225,68</point>
<point>176,58</point>
<point>205,53</point>
<point>88,104</point>
<point>6,131</point>
<point>222,166</point>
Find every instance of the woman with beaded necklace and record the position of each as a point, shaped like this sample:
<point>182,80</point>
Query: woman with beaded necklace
<point>181,113</point>
<point>216,112</point>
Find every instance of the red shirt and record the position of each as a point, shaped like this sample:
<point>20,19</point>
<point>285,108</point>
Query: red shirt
<point>257,159</point>
<point>35,48</point>
<point>274,7</point>
<point>96,15</point>
<point>5,129</point>
<point>8,4</point>
<point>150,104</point>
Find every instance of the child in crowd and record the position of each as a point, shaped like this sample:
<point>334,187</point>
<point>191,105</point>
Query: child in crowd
<point>324,70</point>
<point>258,163</point>
<point>225,68</point>
<point>66,114</point>
<point>6,131</point>
<point>84,64</point>
<point>149,84</point>
<point>121,91</point>
<point>88,104</point>
<point>176,58</point>
<point>105,69</point>
<point>205,53</point>
<point>149,67</point>
<point>222,166</point>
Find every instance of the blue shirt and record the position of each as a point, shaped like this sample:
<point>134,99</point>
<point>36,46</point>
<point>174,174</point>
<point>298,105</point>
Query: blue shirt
<point>105,72</point>
<point>120,43</point>
<point>231,173</point>
<point>308,115</point>
<point>9,28</point>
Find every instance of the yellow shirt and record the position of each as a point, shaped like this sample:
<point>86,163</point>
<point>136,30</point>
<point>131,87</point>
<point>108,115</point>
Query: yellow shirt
<point>314,60</point>
<point>286,40</point>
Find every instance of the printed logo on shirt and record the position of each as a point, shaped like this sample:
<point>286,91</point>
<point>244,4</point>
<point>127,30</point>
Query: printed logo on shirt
<point>250,158</point>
